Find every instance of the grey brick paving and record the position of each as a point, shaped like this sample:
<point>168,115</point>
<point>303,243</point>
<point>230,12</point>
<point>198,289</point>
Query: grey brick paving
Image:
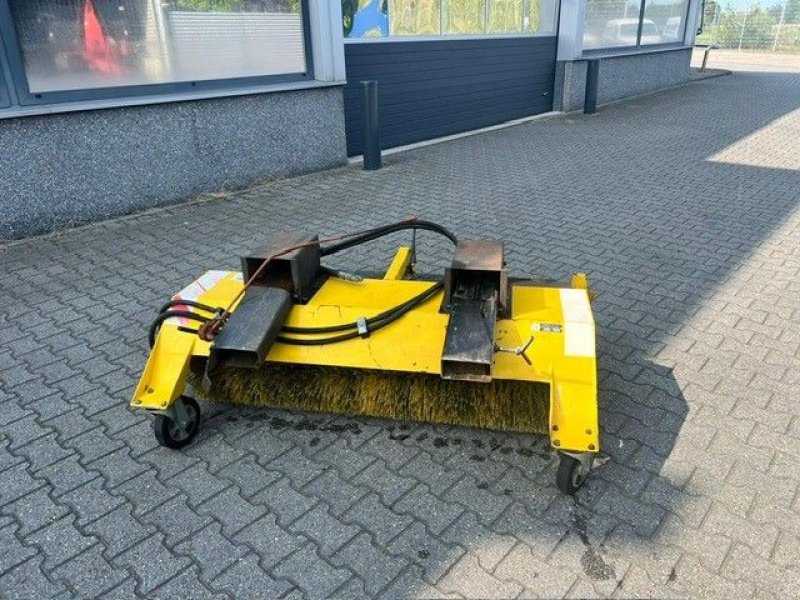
<point>683,207</point>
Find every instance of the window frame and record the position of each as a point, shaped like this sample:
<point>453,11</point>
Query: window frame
<point>11,54</point>
<point>639,47</point>
<point>443,36</point>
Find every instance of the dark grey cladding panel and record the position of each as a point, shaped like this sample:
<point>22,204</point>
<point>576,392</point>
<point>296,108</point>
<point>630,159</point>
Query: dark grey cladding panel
<point>434,88</point>
<point>3,93</point>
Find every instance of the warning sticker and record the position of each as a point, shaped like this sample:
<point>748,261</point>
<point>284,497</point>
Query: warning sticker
<point>547,327</point>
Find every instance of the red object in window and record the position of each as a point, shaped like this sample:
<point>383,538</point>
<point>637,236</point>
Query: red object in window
<point>98,49</point>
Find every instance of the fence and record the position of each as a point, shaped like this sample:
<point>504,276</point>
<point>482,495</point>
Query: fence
<point>771,27</point>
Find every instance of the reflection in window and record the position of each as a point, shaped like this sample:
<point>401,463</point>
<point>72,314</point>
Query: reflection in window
<point>664,21</point>
<point>617,23</point>
<point>378,18</point>
<point>414,17</point>
<point>540,16</point>
<point>463,17</point>
<point>504,16</point>
<point>611,23</point>
<point>365,18</point>
<point>79,44</point>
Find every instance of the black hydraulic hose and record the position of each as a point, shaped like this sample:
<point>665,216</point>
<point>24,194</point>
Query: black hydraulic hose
<point>379,232</point>
<point>381,320</point>
<point>375,322</point>
<point>156,324</point>
<point>318,341</point>
<point>192,303</point>
<point>415,301</point>
<point>335,338</point>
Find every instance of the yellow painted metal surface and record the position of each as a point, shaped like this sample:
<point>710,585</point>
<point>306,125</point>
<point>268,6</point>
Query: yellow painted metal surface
<point>581,281</point>
<point>167,368</point>
<point>400,263</point>
<point>559,320</point>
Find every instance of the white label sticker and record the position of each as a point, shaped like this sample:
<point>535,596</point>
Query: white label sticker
<point>575,306</point>
<point>578,323</point>
<point>193,291</point>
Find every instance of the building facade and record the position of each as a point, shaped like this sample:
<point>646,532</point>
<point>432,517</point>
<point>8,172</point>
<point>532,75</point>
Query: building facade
<point>112,106</point>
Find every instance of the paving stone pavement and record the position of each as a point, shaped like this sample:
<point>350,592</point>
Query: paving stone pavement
<point>683,207</point>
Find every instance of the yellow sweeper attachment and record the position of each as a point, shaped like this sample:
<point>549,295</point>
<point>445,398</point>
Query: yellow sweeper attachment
<point>476,349</point>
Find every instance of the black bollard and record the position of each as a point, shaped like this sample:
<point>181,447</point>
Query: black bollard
<point>592,80</point>
<point>370,126</point>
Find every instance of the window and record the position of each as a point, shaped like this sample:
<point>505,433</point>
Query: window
<point>611,23</point>
<point>381,18</point>
<point>631,23</point>
<point>540,16</point>
<point>504,16</point>
<point>90,44</point>
<point>414,17</point>
<point>664,21</point>
<point>464,17</point>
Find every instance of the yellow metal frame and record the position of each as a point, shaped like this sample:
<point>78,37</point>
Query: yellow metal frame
<point>559,319</point>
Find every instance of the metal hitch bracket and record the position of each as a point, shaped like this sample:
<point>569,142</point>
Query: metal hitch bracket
<point>247,336</point>
<point>475,293</point>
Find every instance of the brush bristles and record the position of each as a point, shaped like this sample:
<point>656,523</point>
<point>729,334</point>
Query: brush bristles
<point>504,405</point>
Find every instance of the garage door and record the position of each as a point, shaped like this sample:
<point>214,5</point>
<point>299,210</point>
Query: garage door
<point>428,89</point>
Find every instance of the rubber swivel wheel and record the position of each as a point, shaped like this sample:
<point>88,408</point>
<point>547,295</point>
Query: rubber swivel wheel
<point>571,474</point>
<point>169,434</point>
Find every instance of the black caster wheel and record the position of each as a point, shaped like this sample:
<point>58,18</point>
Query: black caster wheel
<point>571,474</point>
<point>171,434</point>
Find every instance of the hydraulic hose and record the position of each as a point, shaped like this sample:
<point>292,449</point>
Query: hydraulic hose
<point>405,306</point>
<point>192,303</point>
<point>385,230</point>
<point>373,324</point>
<point>211,325</point>
<point>156,324</point>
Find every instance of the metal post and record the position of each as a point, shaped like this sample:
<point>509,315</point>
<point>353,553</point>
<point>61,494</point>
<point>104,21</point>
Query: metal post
<point>716,21</point>
<point>741,35</point>
<point>780,26</point>
<point>370,125</point>
<point>592,80</point>
<point>162,32</point>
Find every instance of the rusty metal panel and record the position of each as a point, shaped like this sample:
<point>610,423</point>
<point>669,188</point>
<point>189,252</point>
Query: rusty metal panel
<point>475,292</point>
<point>478,261</point>
<point>252,328</point>
<point>478,255</point>
<point>297,272</point>
<point>470,339</point>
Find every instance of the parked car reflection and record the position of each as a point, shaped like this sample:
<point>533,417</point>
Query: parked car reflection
<point>624,32</point>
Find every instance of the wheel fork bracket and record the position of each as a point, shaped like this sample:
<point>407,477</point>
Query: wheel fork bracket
<point>585,458</point>
<point>176,412</point>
